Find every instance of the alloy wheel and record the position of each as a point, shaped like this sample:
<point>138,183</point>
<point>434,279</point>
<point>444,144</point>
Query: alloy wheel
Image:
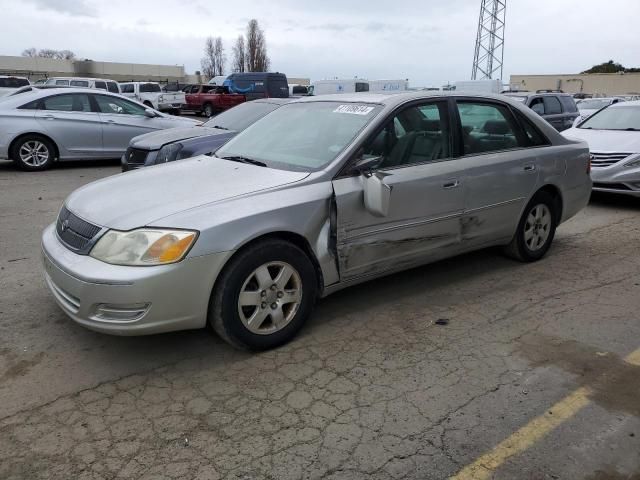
<point>537,227</point>
<point>270,297</point>
<point>34,153</point>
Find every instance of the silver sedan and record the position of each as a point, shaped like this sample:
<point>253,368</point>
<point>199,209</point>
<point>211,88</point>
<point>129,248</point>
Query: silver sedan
<point>321,194</point>
<point>38,127</point>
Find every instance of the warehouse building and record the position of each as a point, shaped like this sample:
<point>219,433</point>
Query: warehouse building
<point>589,83</point>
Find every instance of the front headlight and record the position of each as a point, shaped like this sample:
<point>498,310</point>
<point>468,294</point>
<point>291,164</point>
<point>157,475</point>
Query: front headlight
<point>145,246</point>
<point>169,153</point>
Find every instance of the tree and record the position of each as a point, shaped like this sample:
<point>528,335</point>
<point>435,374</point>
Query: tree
<point>30,52</point>
<point>49,53</point>
<point>239,55</point>
<point>257,58</point>
<point>607,67</point>
<point>214,58</point>
<point>66,55</point>
<point>208,61</point>
<point>220,57</point>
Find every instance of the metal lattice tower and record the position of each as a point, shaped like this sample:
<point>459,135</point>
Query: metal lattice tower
<point>489,52</point>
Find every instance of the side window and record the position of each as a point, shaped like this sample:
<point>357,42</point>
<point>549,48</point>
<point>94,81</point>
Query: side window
<point>552,106</point>
<point>76,102</point>
<point>537,105</point>
<point>64,83</point>
<point>487,128</point>
<point>417,134</point>
<point>108,104</point>
<point>535,138</point>
<point>79,83</point>
<point>113,87</point>
<point>568,104</point>
<point>127,88</point>
<point>101,85</point>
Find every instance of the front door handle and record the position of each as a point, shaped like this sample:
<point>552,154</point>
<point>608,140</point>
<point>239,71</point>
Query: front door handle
<point>529,168</point>
<point>451,184</point>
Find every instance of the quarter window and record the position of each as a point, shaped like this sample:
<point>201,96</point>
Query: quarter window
<point>76,102</point>
<point>418,134</point>
<point>108,104</point>
<point>486,128</point>
<point>552,106</point>
<point>113,87</point>
<point>536,139</point>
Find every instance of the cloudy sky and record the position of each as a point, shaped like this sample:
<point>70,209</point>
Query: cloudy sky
<point>428,41</point>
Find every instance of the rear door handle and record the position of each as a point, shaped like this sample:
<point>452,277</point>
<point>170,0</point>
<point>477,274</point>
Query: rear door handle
<point>529,168</point>
<point>451,184</point>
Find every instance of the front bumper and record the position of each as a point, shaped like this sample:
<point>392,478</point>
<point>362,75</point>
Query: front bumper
<point>617,178</point>
<point>129,300</point>
<point>169,106</point>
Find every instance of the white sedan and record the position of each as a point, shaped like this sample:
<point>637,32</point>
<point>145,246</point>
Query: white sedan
<point>613,135</point>
<point>39,127</point>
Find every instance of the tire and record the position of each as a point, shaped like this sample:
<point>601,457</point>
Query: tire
<point>33,153</point>
<point>208,110</point>
<point>177,112</point>
<point>266,319</point>
<point>536,229</point>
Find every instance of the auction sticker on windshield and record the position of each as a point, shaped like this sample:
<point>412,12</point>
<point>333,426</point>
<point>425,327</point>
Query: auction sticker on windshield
<point>353,109</point>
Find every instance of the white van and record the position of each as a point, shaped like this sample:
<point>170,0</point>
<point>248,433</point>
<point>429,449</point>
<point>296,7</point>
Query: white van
<point>326,87</point>
<point>99,83</point>
<point>388,85</point>
<point>479,86</point>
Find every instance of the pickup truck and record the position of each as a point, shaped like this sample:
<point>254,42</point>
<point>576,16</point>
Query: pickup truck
<point>150,94</point>
<point>211,99</point>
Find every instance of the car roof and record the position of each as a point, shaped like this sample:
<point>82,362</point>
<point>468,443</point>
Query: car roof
<point>81,78</point>
<point>632,103</point>
<point>28,96</point>
<point>393,99</point>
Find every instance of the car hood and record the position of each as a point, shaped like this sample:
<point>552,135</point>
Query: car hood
<point>606,140</point>
<point>144,197</point>
<point>155,140</point>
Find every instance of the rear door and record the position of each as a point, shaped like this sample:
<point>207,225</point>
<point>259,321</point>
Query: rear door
<point>122,120</point>
<point>501,170</point>
<point>427,196</point>
<point>72,123</point>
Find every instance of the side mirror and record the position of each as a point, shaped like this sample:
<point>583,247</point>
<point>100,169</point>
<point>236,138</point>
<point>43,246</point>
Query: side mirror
<point>377,194</point>
<point>150,113</point>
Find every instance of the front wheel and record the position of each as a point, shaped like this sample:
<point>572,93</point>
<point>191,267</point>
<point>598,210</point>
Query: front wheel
<point>263,296</point>
<point>536,229</point>
<point>33,153</point>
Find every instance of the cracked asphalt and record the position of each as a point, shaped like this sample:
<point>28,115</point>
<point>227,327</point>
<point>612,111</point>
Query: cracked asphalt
<point>372,388</point>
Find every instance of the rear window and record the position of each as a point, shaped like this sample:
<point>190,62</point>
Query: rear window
<point>12,82</point>
<point>113,87</point>
<point>278,88</point>
<point>362,87</point>
<point>240,117</point>
<point>569,104</point>
<point>149,88</point>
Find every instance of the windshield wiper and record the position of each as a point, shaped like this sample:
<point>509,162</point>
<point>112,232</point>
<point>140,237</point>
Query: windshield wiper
<point>219,127</point>
<point>238,158</point>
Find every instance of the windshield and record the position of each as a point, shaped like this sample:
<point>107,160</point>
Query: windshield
<point>149,87</point>
<point>240,117</point>
<point>593,104</point>
<point>301,136</point>
<point>614,118</point>
<point>13,82</point>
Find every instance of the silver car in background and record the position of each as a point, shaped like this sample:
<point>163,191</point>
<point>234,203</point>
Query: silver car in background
<point>323,193</point>
<point>613,136</point>
<point>39,127</point>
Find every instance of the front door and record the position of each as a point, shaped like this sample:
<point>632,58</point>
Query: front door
<point>70,121</point>
<point>426,201</point>
<point>122,120</point>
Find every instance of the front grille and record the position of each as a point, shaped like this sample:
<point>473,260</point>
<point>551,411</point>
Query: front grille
<point>135,156</point>
<point>75,232</point>
<point>611,186</point>
<point>601,159</point>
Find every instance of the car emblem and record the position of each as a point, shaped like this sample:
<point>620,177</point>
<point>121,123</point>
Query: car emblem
<point>64,225</point>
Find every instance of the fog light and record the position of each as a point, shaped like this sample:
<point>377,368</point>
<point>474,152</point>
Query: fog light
<point>107,312</point>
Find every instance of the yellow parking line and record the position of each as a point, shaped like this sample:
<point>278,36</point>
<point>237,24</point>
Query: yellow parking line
<point>484,466</point>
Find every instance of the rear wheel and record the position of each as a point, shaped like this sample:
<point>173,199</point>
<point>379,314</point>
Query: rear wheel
<point>208,110</point>
<point>536,229</point>
<point>263,296</point>
<point>33,153</point>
